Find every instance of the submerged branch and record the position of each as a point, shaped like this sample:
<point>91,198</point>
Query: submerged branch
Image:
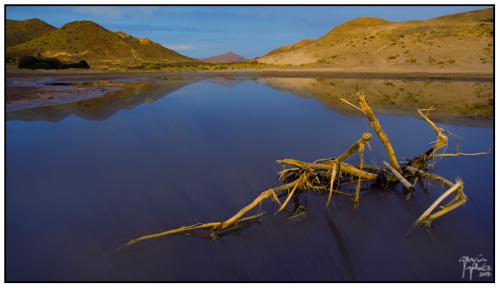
<point>426,218</point>
<point>460,154</point>
<point>400,177</point>
<point>321,175</point>
<point>359,145</point>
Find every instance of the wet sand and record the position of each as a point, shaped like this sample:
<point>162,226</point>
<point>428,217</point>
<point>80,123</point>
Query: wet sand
<point>457,75</point>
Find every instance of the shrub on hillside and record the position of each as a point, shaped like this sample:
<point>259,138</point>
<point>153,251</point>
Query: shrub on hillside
<point>81,65</point>
<point>32,62</point>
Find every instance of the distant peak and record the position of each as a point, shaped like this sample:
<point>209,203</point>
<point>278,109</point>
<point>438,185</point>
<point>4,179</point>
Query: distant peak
<point>225,58</point>
<point>230,53</point>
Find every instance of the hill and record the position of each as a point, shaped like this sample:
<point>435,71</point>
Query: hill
<point>17,32</point>
<point>86,40</point>
<point>462,40</point>
<point>229,57</point>
<point>290,47</point>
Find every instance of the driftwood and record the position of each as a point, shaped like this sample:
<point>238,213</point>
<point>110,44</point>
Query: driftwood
<point>367,110</point>
<point>457,188</point>
<point>323,175</point>
<point>426,218</point>
<point>400,177</point>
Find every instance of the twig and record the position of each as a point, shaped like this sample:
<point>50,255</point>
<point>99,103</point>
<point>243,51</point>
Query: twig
<point>367,110</point>
<point>460,154</point>
<point>427,217</point>
<point>358,186</point>
<point>400,177</point>
<point>356,146</point>
<point>332,179</point>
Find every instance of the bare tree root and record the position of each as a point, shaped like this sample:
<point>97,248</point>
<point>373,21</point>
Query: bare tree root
<point>358,186</point>
<point>323,175</point>
<point>460,198</point>
<point>457,188</point>
<point>332,180</point>
<point>213,226</point>
<point>359,145</point>
<point>219,227</point>
<point>367,110</point>
<point>420,162</point>
<point>460,154</point>
<point>345,168</point>
<point>398,176</point>
<point>432,177</point>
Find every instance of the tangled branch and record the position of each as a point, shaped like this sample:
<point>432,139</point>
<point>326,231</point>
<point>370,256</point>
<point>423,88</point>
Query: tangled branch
<point>321,176</point>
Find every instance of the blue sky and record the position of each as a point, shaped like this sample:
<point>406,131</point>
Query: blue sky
<point>207,31</point>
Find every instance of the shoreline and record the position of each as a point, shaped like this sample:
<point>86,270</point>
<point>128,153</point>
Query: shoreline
<point>26,90</point>
<point>32,89</point>
<point>340,73</point>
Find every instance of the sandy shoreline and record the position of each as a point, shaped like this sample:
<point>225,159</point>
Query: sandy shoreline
<point>341,73</point>
<point>460,96</point>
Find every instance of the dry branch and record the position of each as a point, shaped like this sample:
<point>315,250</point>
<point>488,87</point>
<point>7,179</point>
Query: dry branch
<point>367,110</point>
<point>344,168</point>
<point>460,154</point>
<point>426,218</point>
<point>335,166</point>
<point>263,196</point>
<point>421,161</point>
<point>400,177</point>
<point>298,183</point>
<point>358,186</point>
<point>183,230</point>
<point>432,177</point>
<point>321,175</point>
<point>359,145</point>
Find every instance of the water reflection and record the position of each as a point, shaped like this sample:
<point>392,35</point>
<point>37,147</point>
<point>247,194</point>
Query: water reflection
<point>467,103</point>
<point>77,189</point>
<point>456,102</point>
<point>103,107</point>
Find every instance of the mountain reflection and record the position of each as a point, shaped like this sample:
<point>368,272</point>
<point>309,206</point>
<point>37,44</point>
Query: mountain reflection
<point>103,107</point>
<point>456,102</point>
<point>465,103</point>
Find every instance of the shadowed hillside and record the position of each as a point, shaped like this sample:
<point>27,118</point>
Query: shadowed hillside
<point>98,46</point>
<point>461,41</point>
<point>17,32</point>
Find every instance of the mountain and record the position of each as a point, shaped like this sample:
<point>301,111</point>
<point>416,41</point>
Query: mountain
<point>91,42</point>
<point>290,47</point>
<point>17,32</point>
<point>229,57</point>
<point>459,40</point>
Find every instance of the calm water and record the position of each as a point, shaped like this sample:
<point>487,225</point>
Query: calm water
<point>84,181</point>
